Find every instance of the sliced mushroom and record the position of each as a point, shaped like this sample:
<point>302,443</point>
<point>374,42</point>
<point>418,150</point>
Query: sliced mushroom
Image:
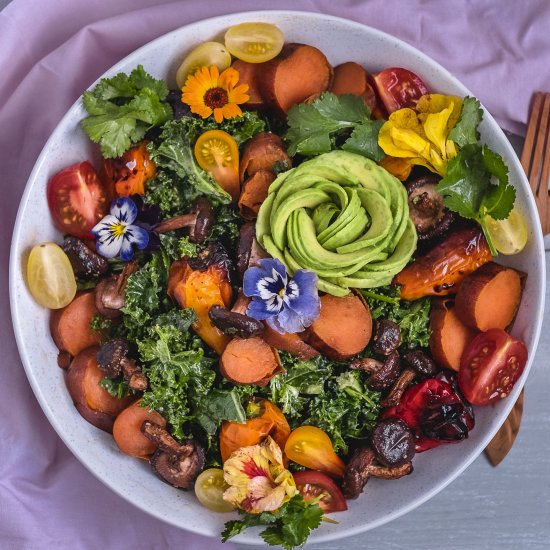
<point>235,324</point>
<point>422,363</point>
<point>398,389</point>
<point>393,442</point>
<point>85,262</point>
<point>109,292</point>
<point>113,360</point>
<point>387,338</point>
<point>362,466</point>
<point>382,374</point>
<point>176,464</point>
<point>199,222</point>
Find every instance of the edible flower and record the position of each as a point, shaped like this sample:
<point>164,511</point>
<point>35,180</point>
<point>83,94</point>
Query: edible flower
<point>116,233</point>
<point>207,91</point>
<point>287,305</point>
<point>421,135</point>
<point>258,481</point>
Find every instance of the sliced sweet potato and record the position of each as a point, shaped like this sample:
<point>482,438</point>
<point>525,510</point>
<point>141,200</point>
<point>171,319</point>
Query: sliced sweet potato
<point>343,329</point>
<point>250,361</point>
<point>489,297</point>
<point>251,74</point>
<point>94,403</point>
<point>449,335</point>
<point>289,342</point>
<point>254,192</point>
<point>261,153</point>
<point>70,326</point>
<point>351,78</point>
<point>127,430</point>
<point>298,72</point>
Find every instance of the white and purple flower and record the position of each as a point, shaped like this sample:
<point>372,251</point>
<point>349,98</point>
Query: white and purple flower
<point>285,304</point>
<point>116,233</point>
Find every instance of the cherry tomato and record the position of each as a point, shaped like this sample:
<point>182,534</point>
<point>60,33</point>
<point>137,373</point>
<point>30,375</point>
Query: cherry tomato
<point>311,447</point>
<point>217,153</point>
<point>209,488</point>
<point>510,235</point>
<point>254,42</point>
<point>398,88</point>
<point>77,199</point>
<point>127,174</point>
<point>490,366</point>
<point>313,485</point>
<point>50,276</point>
<point>204,55</point>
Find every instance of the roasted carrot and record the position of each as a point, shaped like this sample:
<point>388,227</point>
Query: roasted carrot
<point>489,297</point>
<point>261,153</point>
<point>343,329</point>
<point>254,192</point>
<point>251,74</point>
<point>449,335</point>
<point>298,72</point>
<point>289,342</point>
<point>70,326</point>
<point>351,78</point>
<point>127,430</point>
<point>249,361</point>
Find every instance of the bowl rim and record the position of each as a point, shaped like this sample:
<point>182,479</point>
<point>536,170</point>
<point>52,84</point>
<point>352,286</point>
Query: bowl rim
<point>250,539</point>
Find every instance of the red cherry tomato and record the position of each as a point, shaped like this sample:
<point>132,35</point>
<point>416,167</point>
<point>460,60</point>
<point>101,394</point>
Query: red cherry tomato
<point>314,484</point>
<point>398,88</point>
<point>77,199</point>
<point>490,366</point>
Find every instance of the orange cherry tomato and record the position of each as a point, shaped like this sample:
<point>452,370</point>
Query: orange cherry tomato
<point>131,171</point>
<point>217,153</point>
<point>271,422</point>
<point>311,447</point>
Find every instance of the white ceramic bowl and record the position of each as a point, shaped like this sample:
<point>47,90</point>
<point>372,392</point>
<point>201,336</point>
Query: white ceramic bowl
<point>341,40</point>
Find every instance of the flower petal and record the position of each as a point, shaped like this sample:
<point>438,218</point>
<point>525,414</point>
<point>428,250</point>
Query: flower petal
<point>124,209</point>
<point>262,309</point>
<point>290,321</point>
<point>306,302</point>
<point>137,235</point>
<point>108,245</point>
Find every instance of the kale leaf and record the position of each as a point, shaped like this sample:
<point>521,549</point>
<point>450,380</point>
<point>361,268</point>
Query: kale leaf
<point>178,247</point>
<point>118,388</point>
<point>121,110</point>
<point>172,193</point>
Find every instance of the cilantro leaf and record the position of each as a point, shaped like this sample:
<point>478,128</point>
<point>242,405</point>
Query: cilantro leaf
<point>465,130</point>
<point>319,127</point>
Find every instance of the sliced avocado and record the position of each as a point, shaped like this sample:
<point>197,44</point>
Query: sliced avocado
<point>322,216</point>
<point>262,223</point>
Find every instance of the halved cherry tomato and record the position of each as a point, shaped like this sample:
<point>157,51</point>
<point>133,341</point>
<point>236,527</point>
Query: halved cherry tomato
<point>313,485</point>
<point>398,88</point>
<point>311,447</point>
<point>77,199</point>
<point>128,173</point>
<point>209,488</point>
<point>217,153</point>
<point>254,42</point>
<point>204,55</point>
<point>509,235</point>
<point>490,366</point>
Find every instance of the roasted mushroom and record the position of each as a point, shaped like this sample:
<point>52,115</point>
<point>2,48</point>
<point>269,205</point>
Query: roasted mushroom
<point>109,292</point>
<point>248,249</point>
<point>176,464</point>
<point>235,324</point>
<point>404,380</point>
<point>85,262</point>
<point>362,466</point>
<point>382,374</point>
<point>427,208</point>
<point>113,360</point>
<point>199,222</point>
<point>422,363</point>
<point>393,442</point>
<point>387,338</point>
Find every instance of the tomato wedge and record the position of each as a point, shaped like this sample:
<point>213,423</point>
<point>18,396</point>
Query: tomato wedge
<point>398,88</point>
<point>311,447</point>
<point>77,199</point>
<point>490,366</point>
<point>313,485</point>
<point>217,153</point>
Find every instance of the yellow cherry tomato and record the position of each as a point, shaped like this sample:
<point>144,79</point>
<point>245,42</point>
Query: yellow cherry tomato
<point>510,235</point>
<point>204,55</point>
<point>217,153</point>
<point>50,276</point>
<point>209,488</point>
<point>311,447</point>
<point>254,42</point>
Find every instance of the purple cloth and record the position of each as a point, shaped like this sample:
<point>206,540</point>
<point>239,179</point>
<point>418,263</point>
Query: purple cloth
<point>49,52</point>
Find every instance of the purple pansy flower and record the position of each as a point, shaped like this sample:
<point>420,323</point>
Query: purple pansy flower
<point>116,233</point>
<point>285,304</point>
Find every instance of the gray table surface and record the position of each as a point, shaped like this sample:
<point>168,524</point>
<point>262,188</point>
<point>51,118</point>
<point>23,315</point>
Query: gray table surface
<point>506,508</point>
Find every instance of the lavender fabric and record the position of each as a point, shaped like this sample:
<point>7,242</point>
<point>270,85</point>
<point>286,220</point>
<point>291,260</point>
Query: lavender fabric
<point>49,52</point>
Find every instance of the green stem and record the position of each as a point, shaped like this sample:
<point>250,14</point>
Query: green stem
<point>381,297</point>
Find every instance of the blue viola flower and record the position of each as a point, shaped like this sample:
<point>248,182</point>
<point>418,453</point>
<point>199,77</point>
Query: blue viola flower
<point>116,233</point>
<point>285,304</point>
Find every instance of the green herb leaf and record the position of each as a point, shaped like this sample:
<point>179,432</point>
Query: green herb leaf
<point>116,387</point>
<point>364,141</point>
<point>465,130</point>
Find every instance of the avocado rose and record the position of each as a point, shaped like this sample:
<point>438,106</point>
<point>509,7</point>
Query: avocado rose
<point>341,216</point>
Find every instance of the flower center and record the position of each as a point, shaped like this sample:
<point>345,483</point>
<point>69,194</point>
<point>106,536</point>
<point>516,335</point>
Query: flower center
<point>215,98</point>
<point>117,230</point>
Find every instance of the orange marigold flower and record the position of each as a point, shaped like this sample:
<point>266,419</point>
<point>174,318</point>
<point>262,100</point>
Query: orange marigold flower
<point>207,91</point>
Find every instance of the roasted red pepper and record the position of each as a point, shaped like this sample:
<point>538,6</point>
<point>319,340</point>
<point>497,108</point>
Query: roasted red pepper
<point>435,411</point>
